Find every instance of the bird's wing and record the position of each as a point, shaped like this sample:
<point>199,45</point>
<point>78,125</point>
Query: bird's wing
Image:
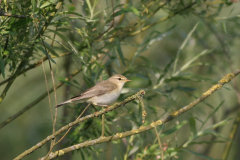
<point>97,90</point>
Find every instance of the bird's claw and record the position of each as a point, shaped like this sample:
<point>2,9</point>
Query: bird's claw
<point>95,114</point>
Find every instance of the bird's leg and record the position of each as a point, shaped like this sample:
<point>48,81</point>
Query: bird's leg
<point>95,109</point>
<point>106,108</point>
<point>103,128</point>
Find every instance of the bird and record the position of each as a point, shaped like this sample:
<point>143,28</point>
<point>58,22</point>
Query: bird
<point>102,94</point>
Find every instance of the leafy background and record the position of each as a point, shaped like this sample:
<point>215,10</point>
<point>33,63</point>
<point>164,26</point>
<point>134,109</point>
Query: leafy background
<point>174,50</point>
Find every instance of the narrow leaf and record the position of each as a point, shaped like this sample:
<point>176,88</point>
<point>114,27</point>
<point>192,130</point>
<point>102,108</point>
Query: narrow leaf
<point>214,111</point>
<point>2,65</point>
<point>135,148</point>
<point>184,67</point>
<point>199,154</point>
<point>182,46</point>
<point>174,129</point>
<point>65,39</point>
<point>50,49</point>
<point>119,50</point>
<point>192,123</point>
<point>165,70</point>
<point>67,82</point>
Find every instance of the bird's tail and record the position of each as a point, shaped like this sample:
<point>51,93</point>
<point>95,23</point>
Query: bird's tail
<point>63,103</point>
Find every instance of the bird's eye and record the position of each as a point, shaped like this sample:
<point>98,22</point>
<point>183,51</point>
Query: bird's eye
<point>119,79</point>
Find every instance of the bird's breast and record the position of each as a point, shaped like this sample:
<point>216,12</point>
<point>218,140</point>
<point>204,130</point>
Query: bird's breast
<point>105,99</point>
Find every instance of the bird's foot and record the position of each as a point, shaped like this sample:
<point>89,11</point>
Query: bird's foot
<point>95,114</point>
<point>106,109</point>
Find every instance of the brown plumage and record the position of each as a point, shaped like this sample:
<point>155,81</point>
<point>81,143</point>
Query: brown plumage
<point>102,94</point>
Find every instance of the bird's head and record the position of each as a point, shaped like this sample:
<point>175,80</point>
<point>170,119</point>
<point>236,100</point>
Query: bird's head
<point>118,79</point>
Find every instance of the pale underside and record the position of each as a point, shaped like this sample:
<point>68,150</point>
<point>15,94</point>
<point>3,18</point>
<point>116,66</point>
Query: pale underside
<point>98,95</point>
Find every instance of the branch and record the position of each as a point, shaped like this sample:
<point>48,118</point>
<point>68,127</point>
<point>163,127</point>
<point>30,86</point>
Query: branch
<point>99,113</point>
<point>141,129</point>
<point>10,119</point>
<point>11,15</point>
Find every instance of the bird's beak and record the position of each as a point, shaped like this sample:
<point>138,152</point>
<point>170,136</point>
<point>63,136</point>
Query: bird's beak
<point>126,80</point>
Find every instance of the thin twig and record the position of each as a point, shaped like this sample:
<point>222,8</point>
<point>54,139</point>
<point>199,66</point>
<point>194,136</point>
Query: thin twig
<point>144,113</point>
<point>232,135</point>
<point>55,93</point>
<point>49,99</point>
<point>103,128</point>
<point>159,142</point>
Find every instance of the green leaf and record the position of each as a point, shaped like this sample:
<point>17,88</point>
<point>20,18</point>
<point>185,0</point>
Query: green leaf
<point>207,142</point>
<point>47,3</point>
<point>65,40</point>
<point>6,52</point>
<point>8,32</point>
<point>186,89</point>
<point>221,123</point>
<point>2,65</point>
<point>132,9</point>
<point>76,82</point>
<point>45,52</point>
<point>126,9</point>
<point>177,78</point>
<point>20,23</point>
<point>199,154</point>
<point>33,2</point>
<point>71,8</point>
<point>174,129</point>
<point>72,13</point>
<point>165,70</point>
<point>119,50</point>
<point>192,124</point>
<point>67,82</point>
<point>123,9</point>
<point>214,111</point>
<point>59,42</point>
<point>42,49</point>
<point>182,46</point>
<point>50,49</point>
<point>73,49</point>
<point>187,65</point>
<point>133,150</point>
<point>189,77</point>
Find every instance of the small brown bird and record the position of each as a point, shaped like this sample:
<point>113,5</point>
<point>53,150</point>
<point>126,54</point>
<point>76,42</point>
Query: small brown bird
<point>102,94</point>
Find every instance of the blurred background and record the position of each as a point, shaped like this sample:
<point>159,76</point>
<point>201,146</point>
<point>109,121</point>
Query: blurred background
<point>174,50</point>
